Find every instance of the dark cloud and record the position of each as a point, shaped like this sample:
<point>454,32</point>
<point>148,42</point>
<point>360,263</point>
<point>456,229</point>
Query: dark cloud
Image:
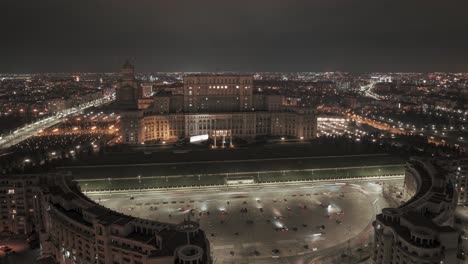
<point>241,35</point>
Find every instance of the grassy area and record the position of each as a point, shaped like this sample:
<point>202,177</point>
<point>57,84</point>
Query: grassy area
<point>329,174</point>
<point>220,166</point>
<point>219,179</point>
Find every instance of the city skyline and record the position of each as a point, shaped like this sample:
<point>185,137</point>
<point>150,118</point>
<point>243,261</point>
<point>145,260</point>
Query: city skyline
<point>222,132</point>
<point>395,36</point>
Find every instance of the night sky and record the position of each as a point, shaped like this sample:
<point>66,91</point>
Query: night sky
<point>236,35</point>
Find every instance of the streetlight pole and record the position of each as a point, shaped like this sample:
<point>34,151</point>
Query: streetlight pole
<point>139,182</point>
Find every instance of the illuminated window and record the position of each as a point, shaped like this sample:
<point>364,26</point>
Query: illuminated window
<point>11,191</point>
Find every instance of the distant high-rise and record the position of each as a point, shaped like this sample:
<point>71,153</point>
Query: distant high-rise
<point>218,93</point>
<point>128,91</point>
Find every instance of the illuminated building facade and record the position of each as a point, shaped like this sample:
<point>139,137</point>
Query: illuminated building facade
<point>73,229</point>
<point>420,231</point>
<point>18,204</point>
<point>460,170</point>
<point>218,93</point>
<point>220,106</point>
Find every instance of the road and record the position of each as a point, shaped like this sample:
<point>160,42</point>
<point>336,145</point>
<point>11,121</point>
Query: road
<point>30,130</point>
<point>288,218</point>
<point>367,90</point>
<point>393,127</point>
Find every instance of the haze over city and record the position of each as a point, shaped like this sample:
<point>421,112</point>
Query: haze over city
<point>242,36</point>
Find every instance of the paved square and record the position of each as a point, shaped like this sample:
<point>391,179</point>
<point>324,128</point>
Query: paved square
<point>264,223</point>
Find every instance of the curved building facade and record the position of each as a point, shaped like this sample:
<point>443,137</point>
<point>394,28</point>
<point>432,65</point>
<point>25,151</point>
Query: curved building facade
<point>74,229</point>
<point>420,230</point>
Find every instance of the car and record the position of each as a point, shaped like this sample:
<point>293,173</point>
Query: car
<point>275,251</point>
<point>282,229</point>
<point>7,250</point>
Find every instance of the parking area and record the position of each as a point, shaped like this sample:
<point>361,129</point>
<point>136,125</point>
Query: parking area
<point>14,249</point>
<point>264,223</point>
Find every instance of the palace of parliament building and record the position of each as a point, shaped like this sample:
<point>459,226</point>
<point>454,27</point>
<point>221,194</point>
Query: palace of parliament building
<point>221,107</point>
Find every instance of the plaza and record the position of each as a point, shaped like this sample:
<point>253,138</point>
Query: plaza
<point>267,223</point>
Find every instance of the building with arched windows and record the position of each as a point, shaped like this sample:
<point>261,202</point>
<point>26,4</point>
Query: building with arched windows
<point>220,106</point>
<point>420,231</point>
<point>75,230</point>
